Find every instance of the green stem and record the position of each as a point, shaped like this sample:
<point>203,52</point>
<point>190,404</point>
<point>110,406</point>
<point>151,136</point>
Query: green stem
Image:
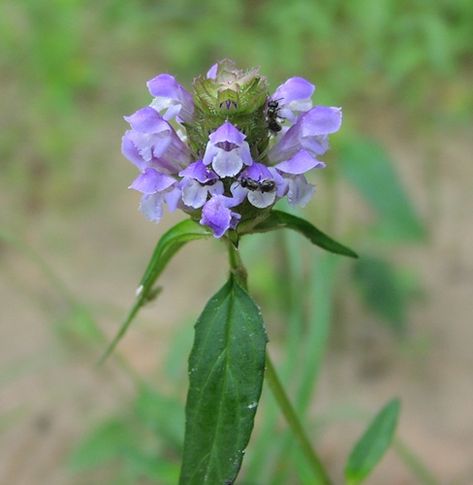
<point>294,423</point>
<point>238,270</point>
<point>422,473</point>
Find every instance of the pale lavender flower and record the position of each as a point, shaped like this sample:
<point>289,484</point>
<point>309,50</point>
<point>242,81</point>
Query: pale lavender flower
<point>293,97</point>
<point>156,188</point>
<point>198,183</point>
<point>171,99</point>
<point>217,215</point>
<point>227,151</point>
<point>299,191</point>
<point>309,132</point>
<point>153,142</point>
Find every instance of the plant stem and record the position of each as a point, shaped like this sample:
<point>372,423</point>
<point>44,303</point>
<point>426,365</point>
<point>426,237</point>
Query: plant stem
<point>238,270</point>
<point>413,462</point>
<point>294,423</point>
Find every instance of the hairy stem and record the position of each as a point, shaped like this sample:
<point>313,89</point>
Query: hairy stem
<point>238,270</point>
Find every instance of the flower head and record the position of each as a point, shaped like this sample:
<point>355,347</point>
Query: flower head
<point>229,150</point>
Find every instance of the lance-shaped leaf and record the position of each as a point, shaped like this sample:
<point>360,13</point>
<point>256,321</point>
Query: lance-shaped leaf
<point>367,166</point>
<point>375,441</point>
<point>170,242</point>
<point>226,369</point>
<point>280,220</point>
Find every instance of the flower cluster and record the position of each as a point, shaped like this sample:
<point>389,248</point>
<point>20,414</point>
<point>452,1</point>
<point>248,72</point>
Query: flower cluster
<point>229,151</point>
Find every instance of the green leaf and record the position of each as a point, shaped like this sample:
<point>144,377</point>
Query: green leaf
<point>280,220</point>
<point>375,441</point>
<point>226,369</point>
<point>170,242</point>
<point>369,168</point>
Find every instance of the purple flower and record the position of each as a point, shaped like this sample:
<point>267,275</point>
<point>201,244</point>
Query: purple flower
<point>227,151</point>
<point>309,132</point>
<point>217,215</point>
<point>152,142</point>
<point>215,177</point>
<point>170,98</point>
<point>300,163</point>
<point>198,182</point>
<point>260,184</point>
<point>299,190</point>
<point>293,97</point>
<point>156,188</point>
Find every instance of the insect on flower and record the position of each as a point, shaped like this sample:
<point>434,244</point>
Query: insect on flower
<point>263,186</point>
<point>272,116</point>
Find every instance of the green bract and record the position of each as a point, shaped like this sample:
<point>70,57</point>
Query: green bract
<point>235,95</point>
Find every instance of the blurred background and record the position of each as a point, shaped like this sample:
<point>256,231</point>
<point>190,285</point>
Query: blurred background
<point>347,336</point>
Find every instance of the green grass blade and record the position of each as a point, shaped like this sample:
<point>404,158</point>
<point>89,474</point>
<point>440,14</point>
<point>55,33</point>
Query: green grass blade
<point>367,166</point>
<point>167,246</point>
<point>375,441</point>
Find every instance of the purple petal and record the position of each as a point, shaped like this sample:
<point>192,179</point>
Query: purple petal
<point>146,120</point>
<point>318,145</point>
<point>227,164</point>
<point>212,72</point>
<point>295,88</point>
<point>227,133</point>
<point>281,183</point>
<point>210,152</point>
<point>309,132</point>
<point>130,151</point>
<point>217,216</point>
<point>198,171</point>
<point>235,219</point>
<point>152,206</point>
<point>164,85</point>
<point>194,194</point>
<point>300,191</point>
<point>171,97</point>
<point>300,163</point>
<point>172,198</point>
<point>171,112</point>
<point>217,189</point>
<point>321,120</point>
<point>245,153</point>
<point>257,172</point>
<point>239,193</point>
<point>151,181</point>
<point>261,199</point>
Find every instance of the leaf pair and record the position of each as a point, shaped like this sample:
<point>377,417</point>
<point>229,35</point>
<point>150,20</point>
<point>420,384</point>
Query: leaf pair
<point>189,230</point>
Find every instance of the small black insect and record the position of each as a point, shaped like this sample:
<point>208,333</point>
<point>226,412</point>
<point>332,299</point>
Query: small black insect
<point>264,186</point>
<point>267,186</point>
<point>249,184</point>
<point>272,116</point>
<point>209,182</point>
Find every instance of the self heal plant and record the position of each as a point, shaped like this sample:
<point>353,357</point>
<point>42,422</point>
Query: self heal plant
<point>225,153</point>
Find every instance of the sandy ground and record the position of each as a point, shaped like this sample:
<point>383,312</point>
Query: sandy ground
<point>48,398</point>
